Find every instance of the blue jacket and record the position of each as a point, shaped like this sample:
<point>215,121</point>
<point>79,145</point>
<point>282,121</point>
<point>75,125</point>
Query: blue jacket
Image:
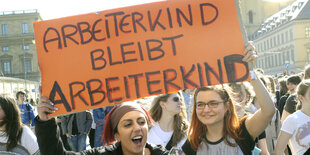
<point>100,113</point>
<point>24,114</point>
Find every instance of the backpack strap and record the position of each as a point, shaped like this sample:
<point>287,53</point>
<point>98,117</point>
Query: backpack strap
<point>28,111</point>
<point>169,145</point>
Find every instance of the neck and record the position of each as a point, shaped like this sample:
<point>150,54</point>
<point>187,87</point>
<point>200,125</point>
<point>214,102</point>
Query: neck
<point>166,121</point>
<point>215,132</point>
<point>2,128</point>
<point>305,109</point>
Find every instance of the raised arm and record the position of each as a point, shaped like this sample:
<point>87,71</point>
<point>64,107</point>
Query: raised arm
<point>257,123</point>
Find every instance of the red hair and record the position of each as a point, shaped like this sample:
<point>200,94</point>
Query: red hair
<point>108,131</point>
<point>231,126</point>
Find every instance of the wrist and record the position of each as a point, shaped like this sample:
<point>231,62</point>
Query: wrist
<point>253,75</point>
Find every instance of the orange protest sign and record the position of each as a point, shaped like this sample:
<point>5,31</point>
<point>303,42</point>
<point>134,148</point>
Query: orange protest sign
<point>99,59</point>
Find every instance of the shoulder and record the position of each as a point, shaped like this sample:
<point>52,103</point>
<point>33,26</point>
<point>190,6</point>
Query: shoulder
<point>27,131</point>
<point>107,150</point>
<point>187,148</point>
<point>156,149</point>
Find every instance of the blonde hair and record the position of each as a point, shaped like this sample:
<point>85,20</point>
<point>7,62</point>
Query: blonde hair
<point>302,89</point>
<point>180,125</point>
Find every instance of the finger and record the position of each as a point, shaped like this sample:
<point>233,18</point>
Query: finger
<point>249,47</point>
<point>44,99</point>
<point>46,110</point>
<point>246,57</point>
<point>47,105</point>
<point>40,90</point>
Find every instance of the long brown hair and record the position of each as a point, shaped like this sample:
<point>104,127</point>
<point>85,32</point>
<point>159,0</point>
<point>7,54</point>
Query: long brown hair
<point>180,124</point>
<point>12,122</point>
<point>198,130</point>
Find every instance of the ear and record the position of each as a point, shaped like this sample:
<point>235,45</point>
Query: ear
<point>300,97</point>
<point>162,104</point>
<point>117,136</point>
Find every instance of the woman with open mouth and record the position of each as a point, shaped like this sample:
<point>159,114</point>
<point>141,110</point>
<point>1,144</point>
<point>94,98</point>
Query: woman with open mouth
<point>125,132</point>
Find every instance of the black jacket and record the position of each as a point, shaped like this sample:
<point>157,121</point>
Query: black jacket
<point>50,143</point>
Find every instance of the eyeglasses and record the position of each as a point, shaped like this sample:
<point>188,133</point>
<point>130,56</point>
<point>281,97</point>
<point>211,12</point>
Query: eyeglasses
<point>211,104</point>
<point>176,99</point>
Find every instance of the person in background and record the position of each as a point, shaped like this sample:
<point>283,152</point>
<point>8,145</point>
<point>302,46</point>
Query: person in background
<point>26,110</point>
<point>296,127</point>
<point>282,95</point>
<point>76,127</point>
<point>15,138</point>
<point>91,134</point>
<point>62,135</point>
<point>171,126</point>
<point>243,98</point>
<point>99,118</point>
<point>125,132</point>
<point>188,100</point>
<point>291,102</point>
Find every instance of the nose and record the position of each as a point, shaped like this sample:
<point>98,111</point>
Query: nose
<point>137,127</point>
<point>206,108</point>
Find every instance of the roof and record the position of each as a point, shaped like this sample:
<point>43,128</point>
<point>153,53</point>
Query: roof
<point>11,79</point>
<point>300,9</point>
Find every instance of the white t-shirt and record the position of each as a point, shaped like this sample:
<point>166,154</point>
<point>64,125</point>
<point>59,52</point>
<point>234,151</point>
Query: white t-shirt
<point>28,140</point>
<point>298,125</point>
<point>159,137</point>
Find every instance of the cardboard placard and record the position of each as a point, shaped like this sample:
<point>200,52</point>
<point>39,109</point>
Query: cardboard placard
<point>99,59</point>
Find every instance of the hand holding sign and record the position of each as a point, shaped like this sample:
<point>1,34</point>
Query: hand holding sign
<point>251,55</point>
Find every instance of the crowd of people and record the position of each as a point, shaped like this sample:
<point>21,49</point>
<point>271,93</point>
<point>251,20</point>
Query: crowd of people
<point>266,115</point>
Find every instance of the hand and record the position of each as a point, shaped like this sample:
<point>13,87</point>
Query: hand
<point>68,135</point>
<point>250,55</point>
<point>44,108</point>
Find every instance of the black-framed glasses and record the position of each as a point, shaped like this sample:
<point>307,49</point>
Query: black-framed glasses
<point>176,99</point>
<point>211,104</point>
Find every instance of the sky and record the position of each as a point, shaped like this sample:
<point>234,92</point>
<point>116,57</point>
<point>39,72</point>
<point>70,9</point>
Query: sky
<point>61,8</point>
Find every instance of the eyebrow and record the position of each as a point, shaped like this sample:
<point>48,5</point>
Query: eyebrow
<point>209,101</point>
<point>130,120</point>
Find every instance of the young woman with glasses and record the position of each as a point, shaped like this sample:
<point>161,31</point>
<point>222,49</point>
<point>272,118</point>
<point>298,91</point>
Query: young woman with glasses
<point>215,127</point>
<point>169,113</point>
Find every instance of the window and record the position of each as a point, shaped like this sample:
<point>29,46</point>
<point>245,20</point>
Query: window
<point>24,28</point>
<point>26,47</point>
<point>292,55</point>
<point>7,67</point>
<point>278,40</point>
<point>291,34</point>
<point>282,38</point>
<point>250,17</point>
<point>276,61</point>
<point>286,36</point>
<point>4,29</point>
<point>307,31</point>
<point>280,60</point>
<point>274,41</point>
<point>288,55</point>
<point>267,44</point>
<point>27,66</point>
<point>5,48</point>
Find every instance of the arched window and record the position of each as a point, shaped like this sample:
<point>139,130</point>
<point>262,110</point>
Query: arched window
<point>250,17</point>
